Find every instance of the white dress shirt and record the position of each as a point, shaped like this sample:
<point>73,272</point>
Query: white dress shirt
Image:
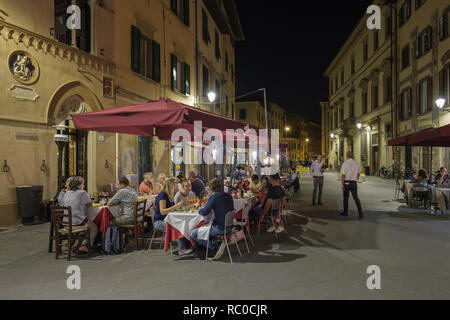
<point>315,169</point>
<point>351,169</point>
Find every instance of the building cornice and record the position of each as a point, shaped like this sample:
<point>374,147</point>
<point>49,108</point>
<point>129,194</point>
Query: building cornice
<point>18,35</point>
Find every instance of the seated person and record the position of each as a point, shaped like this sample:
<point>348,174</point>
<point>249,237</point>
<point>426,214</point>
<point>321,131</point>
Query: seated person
<point>147,186</point>
<point>185,194</point>
<point>180,179</point>
<point>164,205</point>
<point>255,185</point>
<point>62,193</point>
<point>198,187</point>
<point>414,176</point>
<point>160,183</point>
<point>422,177</point>
<point>78,199</point>
<point>442,177</point>
<point>221,203</point>
<point>275,191</point>
<point>126,197</point>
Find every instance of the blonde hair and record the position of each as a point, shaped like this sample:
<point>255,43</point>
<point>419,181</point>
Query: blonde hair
<point>168,187</point>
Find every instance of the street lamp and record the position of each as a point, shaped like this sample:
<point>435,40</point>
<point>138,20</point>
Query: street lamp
<point>307,140</point>
<point>359,125</point>
<point>440,103</point>
<point>288,129</point>
<point>211,96</point>
<point>332,136</point>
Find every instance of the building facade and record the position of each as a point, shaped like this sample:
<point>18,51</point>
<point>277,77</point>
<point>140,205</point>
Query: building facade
<point>384,84</point>
<point>125,52</point>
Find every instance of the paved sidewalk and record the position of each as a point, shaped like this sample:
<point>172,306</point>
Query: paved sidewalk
<point>323,256</point>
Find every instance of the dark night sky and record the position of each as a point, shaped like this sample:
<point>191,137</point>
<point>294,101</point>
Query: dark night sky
<point>289,45</point>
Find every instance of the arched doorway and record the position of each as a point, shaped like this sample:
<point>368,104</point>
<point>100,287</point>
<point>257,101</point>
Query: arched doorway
<point>79,154</point>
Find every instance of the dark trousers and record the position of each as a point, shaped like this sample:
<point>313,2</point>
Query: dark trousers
<point>351,186</point>
<point>318,184</point>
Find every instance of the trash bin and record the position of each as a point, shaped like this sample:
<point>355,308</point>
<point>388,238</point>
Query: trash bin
<point>29,202</point>
<point>367,171</point>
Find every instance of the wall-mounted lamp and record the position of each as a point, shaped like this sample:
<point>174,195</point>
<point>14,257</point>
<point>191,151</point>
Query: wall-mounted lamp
<point>43,166</point>
<point>440,103</point>
<point>332,136</point>
<point>5,167</point>
<point>359,125</point>
<point>106,164</point>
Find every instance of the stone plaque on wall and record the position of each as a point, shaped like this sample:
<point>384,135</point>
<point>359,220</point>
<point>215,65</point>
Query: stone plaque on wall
<point>23,93</point>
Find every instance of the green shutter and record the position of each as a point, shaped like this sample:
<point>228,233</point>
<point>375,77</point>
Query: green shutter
<point>135,48</point>
<point>187,76</point>
<point>156,61</point>
<point>186,12</point>
<point>173,71</point>
<point>174,6</point>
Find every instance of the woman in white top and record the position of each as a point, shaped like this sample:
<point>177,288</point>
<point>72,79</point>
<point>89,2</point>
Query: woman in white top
<point>79,201</point>
<point>186,194</point>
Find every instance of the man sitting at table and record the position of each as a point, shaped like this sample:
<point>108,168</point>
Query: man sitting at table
<point>185,194</point>
<point>221,203</point>
<point>255,185</point>
<point>164,205</point>
<point>147,186</point>
<point>126,197</point>
<point>198,187</point>
<point>442,177</point>
<point>275,191</point>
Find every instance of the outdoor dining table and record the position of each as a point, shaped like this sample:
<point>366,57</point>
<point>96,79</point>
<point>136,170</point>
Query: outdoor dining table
<point>441,197</point>
<point>180,224</point>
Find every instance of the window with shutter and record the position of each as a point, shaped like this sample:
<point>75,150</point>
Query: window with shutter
<point>187,74</point>
<point>180,76</point>
<point>174,75</point>
<point>409,101</point>
<point>186,12</point>
<point>135,49</point>
<point>205,30</point>
<point>218,94</point>
<point>62,34</point>
<point>205,75</point>
<point>83,35</point>
<point>217,45</point>
<point>441,28</point>
<point>156,60</point>
<point>429,93</point>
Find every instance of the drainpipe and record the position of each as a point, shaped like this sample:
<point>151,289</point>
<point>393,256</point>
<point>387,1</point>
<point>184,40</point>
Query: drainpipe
<point>196,54</point>
<point>116,90</point>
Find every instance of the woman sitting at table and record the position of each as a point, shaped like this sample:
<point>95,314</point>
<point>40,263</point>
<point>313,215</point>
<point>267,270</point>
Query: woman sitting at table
<point>185,194</point>
<point>80,202</point>
<point>164,205</point>
<point>180,179</point>
<point>126,197</point>
<point>221,203</point>
<point>160,183</point>
<point>422,176</point>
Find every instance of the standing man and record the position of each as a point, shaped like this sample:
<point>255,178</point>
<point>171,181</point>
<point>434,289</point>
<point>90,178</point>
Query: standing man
<point>351,171</point>
<point>316,171</point>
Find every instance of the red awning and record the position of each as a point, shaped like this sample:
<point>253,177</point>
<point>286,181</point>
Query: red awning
<point>399,141</point>
<point>431,137</point>
<point>163,115</point>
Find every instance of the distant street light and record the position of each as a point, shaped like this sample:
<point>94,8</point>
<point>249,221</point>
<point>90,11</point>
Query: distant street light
<point>332,136</point>
<point>359,125</point>
<point>288,129</point>
<point>440,103</point>
<point>211,96</point>
<point>307,140</point>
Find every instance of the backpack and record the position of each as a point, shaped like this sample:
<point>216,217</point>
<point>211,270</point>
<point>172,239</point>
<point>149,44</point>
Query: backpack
<point>113,242</point>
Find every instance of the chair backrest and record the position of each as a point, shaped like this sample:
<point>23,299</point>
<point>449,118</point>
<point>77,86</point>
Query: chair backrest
<point>245,212</point>
<point>229,218</point>
<point>61,216</point>
<point>153,213</point>
<point>139,210</point>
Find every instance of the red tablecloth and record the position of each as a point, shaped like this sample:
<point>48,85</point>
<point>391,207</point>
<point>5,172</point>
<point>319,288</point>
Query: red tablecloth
<point>103,220</point>
<point>173,234</point>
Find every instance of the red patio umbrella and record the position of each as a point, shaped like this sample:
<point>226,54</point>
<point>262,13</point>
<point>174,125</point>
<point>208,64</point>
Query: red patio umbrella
<point>431,137</point>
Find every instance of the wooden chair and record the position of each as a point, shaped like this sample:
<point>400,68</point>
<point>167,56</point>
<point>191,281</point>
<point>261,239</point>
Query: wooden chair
<point>138,224</point>
<point>65,230</point>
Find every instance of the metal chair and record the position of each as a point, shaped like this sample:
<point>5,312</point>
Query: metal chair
<point>243,225</point>
<point>276,207</point>
<point>229,222</point>
<point>397,188</point>
<point>64,229</point>
<point>163,233</point>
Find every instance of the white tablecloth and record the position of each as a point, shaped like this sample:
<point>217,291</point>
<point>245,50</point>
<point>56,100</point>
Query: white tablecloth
<point>441,197</point>
<point>184,222</point>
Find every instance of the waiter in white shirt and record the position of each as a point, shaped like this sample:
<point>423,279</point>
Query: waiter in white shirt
<point>351,171</point>
<point>316,171</point>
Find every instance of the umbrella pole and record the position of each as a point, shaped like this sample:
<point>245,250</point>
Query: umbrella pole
<point>431,164</point>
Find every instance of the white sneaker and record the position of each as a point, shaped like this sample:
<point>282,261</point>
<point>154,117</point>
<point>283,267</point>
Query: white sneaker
<point>220,252</point>
<point>271,229</point>
<point>185,252</point>
<point>279,229</point>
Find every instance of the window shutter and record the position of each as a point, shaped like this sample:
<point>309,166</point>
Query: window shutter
<point>173,73</point>
<point>186,12</point>
<point>429,37</point>
<point>441,28</point>
<point>418,42</point>
<point>408,9</point>
<point>156,61</point>
<point>430,93</point>
<point>187,75</point>
<point>135,48</point>
<point>409,102</point>
<point>174,6</point>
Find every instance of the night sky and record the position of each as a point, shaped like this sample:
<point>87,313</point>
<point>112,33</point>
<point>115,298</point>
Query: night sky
<point>288,47</point>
